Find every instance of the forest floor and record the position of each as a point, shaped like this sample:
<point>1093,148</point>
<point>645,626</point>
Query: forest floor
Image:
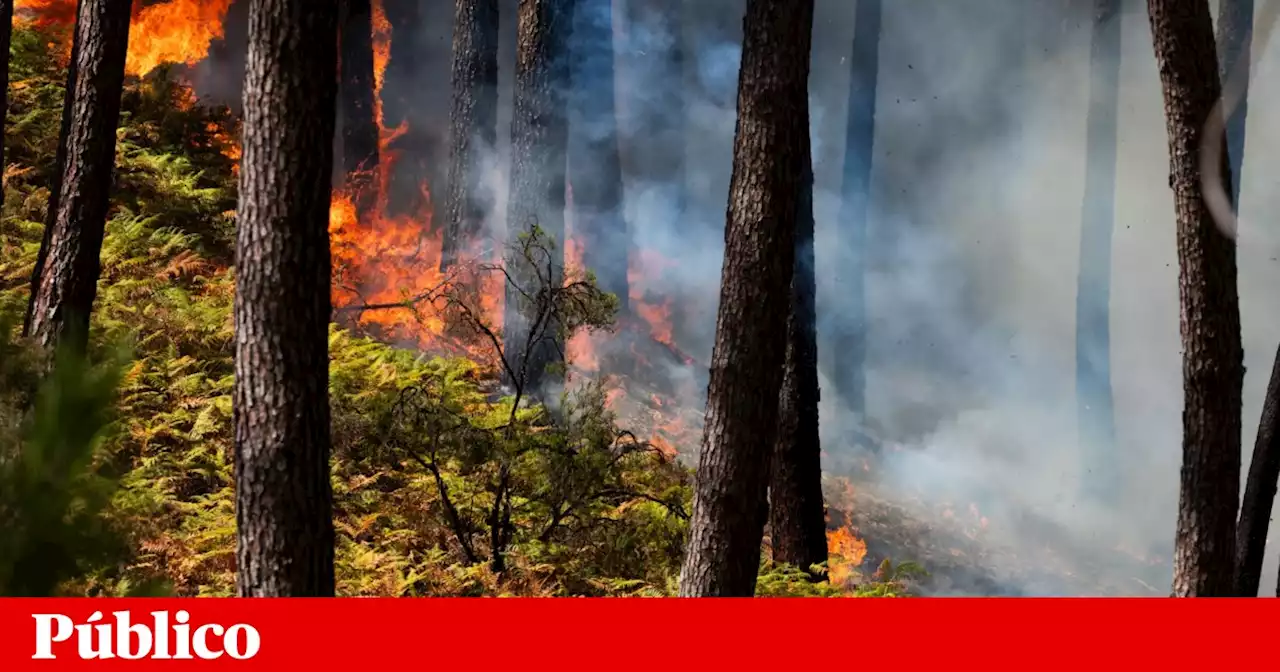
<point>964,552</point>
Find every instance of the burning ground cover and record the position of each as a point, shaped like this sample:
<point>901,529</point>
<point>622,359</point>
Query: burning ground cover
<point>167,278</point>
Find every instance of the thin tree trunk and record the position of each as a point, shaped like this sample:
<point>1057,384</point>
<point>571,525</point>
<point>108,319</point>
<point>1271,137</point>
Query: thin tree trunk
<point>1093,284</point>
<point>850,342</point>
<point>473,123</point>
<point>359,125</point>
<point>55,180</point>
<point>1235,37</point>
<point>1212,360</point>
<point>595,168</point>
<point>284,503</point>
<point>797,520</point>
<point>765,194</point>
<point>6,36</point>
<point>539,138</point>
<point>68,281</point>
<point>1259,492</point>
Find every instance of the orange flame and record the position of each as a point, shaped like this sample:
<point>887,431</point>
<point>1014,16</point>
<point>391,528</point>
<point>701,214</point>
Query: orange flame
<point>581,348</point>
<point>177,31</point>
<point>386,268</point>
<point>846,552</point>
<point>643,266</point>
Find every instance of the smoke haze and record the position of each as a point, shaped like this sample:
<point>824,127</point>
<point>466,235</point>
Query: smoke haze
<point>978,174</point>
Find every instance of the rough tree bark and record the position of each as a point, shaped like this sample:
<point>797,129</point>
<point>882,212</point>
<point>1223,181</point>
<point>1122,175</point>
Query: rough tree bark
<point>765,192</point>
<point>359,123</point>
<point>1094,408</point>
<point>1259,492</point>
<point>68,278</point>
<point>797,519</point>
<point>6,36</point>
<point>55,181</point>
<point>284,503</point>
<point>539,137</point>
<point>1235,37</point>
<point>1212,359</point>
<point>595,167</point>
<point>472,122</point>
<point>850,341</point>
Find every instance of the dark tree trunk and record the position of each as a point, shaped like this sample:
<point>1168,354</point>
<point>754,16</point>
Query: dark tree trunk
<point>1235,37</point>
<point>55,181</point>
<point>595,168</point>
<point>472,123</point>
<point>284,504</point>
<point>359,108</point>
<point>765,194</point>
<point>1093,284</point>
<point>797,520</point>
<point>6,36</point>
<point>539,137</point>
<point>1259,492</point>
<point>850,341</point>
<point>1212,359</point>
<point>68,281</point>
<point>654,132</point>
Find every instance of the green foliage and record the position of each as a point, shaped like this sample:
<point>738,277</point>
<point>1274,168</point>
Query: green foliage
<point>889,580</point>
<point>121,476</point>
<point>52,492</point>
<point>166,289</point>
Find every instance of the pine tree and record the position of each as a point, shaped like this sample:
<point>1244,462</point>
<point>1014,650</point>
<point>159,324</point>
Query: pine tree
<point>473,122</point>
<point>797,519</point>
<point>849,346</point>
<point>595,167</point>
<point>1093,284</point>
<point>539,140</point>
<point>66,283</point>
<point>1212,355</point>
<point>765,194</point>
<point>6,35</point>
<point>359,124</point>
<point>284,502</point>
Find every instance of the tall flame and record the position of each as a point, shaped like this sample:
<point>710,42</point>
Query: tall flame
<point>176,31</point>
<point>387,279</point>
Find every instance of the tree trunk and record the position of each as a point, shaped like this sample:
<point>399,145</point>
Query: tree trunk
<point>797,520</point>
<point>1212,359</point>
<point>1259,492</point>
<point>359,124</point>
<point>1093,284</point>
<point>284,501</point>
<point>6,36</point>
<point>539,137</point>
<point>595,168</point>
<point>850,342</point>
<point>1235,37</point>
<point>473,123</point>
<point>68,277</point>
<point>55,181</point>
<point>655,100</point>
<point>765,194</point>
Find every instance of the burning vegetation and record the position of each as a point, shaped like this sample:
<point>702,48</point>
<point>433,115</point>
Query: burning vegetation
<point>457,468</point>
<point>161,32</point>
<point>413,516</point>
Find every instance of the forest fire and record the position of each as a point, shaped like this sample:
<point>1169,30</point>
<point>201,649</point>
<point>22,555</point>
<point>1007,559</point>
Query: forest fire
<point>175,31</point>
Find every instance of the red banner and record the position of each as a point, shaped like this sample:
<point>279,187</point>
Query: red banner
<point>634,634</point>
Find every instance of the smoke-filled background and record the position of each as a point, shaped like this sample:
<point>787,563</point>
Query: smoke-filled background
<point>973,238</point>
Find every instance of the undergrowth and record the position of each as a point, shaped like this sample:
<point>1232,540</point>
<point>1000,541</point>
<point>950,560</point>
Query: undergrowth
<point>137,491</point>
